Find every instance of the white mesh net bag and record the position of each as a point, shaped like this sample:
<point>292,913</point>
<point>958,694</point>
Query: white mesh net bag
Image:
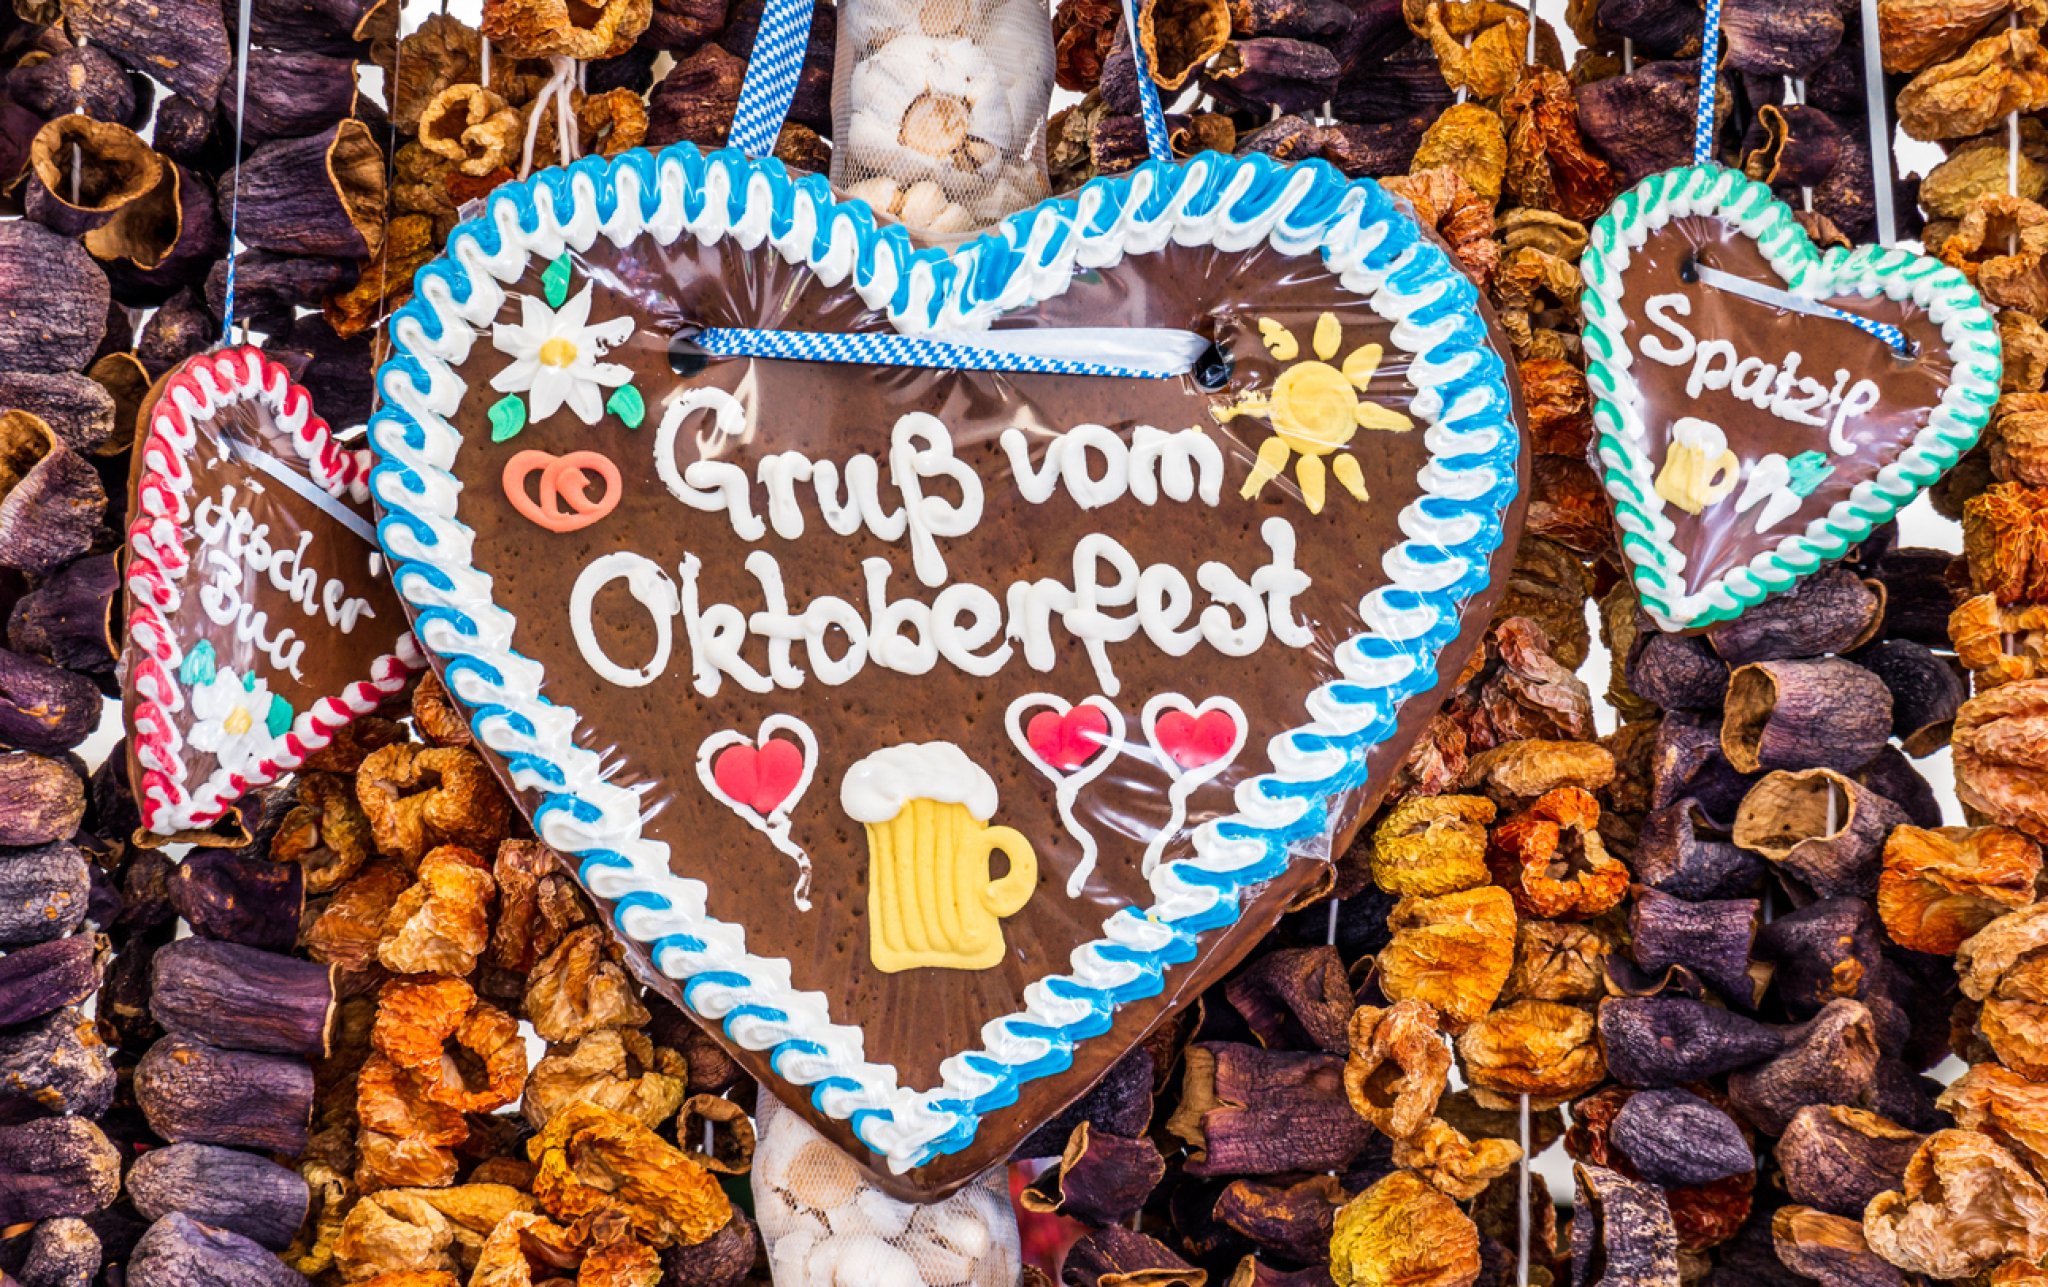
<point>826,1226</point>
<point>941,122</point>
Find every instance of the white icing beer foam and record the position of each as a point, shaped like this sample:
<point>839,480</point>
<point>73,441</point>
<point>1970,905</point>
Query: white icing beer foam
<point>876,788</point>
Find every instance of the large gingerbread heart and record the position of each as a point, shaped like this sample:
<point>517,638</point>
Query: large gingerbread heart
<point>932,734</point>
<point>260,621</point>
<point>1762,406</point>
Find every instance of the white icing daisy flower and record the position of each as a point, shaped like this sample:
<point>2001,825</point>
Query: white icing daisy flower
<point>556,354</point>
<point>231,719</point>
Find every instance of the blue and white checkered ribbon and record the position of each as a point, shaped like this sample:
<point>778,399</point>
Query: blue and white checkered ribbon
<point>1703,154</point>
<point>773,67</point>
<point>1710,61</point>
<point>1156,141</point>
<point>885,349</point>
<point>1775,297</point>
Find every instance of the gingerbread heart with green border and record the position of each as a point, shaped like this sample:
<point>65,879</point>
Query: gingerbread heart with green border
<point>1761,405</point>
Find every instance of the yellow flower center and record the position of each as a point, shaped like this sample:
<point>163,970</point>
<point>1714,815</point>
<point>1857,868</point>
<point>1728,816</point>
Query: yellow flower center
<point>1315,409</point>
<point>238,721</point>
<point>558,352</point>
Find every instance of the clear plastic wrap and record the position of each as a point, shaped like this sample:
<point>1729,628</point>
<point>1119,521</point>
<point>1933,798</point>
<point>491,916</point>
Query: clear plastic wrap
<point>1172,637</point>
<point>260,621</point>
<point>826,1225</point>
<point>940,119</point>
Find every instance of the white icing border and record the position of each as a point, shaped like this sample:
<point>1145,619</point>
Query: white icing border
<point>1655,563</point>
<point>157,565</point>
<point>1454,528</point>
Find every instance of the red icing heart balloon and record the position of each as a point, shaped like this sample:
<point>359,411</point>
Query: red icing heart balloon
<point>760,779</point>
<point>1196,740</point>
<point>1067,740</point>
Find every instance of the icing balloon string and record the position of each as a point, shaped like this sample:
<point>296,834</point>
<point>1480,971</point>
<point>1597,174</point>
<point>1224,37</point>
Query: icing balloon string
<point>1070,750</point>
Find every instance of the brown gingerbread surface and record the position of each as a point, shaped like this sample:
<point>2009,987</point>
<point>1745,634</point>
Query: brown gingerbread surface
<point>653,733</point>
<point>1832,354</point>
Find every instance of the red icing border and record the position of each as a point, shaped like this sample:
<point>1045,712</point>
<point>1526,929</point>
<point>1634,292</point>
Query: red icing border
<point>157,561</point>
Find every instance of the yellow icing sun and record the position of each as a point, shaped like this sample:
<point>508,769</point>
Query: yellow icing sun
<point>1315,409</point>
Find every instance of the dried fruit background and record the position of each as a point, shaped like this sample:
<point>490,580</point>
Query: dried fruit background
<point>395,1049</point>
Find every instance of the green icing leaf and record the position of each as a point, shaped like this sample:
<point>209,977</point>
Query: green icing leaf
<point>1809,469</point>
<point>198,666</point>
<point>279,721</point>
<point>508,417</point>
<point>555,281</point>
<point>627,404</point>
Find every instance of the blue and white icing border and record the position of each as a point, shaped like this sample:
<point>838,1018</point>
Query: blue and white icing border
<point>1454,529</point>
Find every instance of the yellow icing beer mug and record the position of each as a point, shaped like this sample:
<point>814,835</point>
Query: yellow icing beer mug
<point>1698,467</point>
<point>931,900</point>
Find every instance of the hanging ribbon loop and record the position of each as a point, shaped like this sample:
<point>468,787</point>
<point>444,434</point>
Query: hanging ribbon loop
<point>244,17</point>
<point>1158,143</point>
<point>773,69</point>
<point>766,93</point>
<point>1710,80</point>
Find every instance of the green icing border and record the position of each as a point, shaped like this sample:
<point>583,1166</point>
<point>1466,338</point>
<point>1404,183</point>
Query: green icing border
<point>1655,564</point>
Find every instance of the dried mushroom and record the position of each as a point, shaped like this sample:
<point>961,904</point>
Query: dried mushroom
<point>1552,860</point>
<point>1403,1233</point>
<point>1455,1166</point>
<point>2002,73</point>
<point>1940,886</point>
<point>418,797</point>
<point>1452,953</point>
<point>615,1068</point>
<point>1432,845</point>
<point>1966,1205</point>
<point>591,1159</point>
<point>1398,1066</point>
<point>2001,756</point>
<point>1541,1049</point>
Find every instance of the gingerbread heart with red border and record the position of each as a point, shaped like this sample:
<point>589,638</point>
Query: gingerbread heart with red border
<point>260,623</point>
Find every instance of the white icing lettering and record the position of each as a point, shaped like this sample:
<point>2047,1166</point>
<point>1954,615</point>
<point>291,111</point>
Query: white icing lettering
<point>1861,397</point>
<point>233,542</point>
<point>222,600</point>
<point>958,643</point>
<point>713,486</point>
<point>1663,311</point>
<point>1777,389</point>
<point>931,516</point>
<point>1713,366</point>
<point>1111,599</point>
<point>1181,465</point>
<point>651,588</point>
<point>888,621</point>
